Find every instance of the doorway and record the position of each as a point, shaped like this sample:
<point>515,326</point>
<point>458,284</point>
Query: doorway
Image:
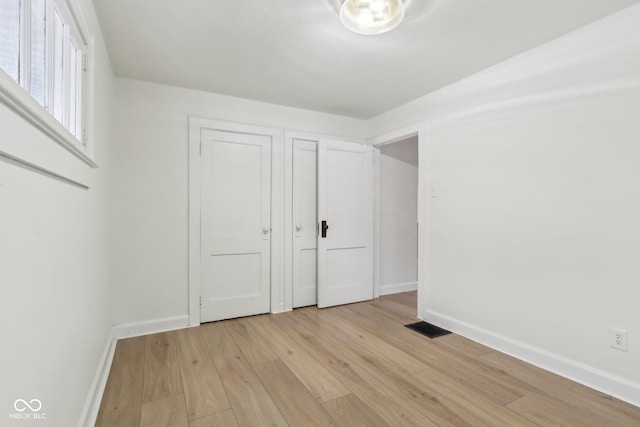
<point>397,260</point>
<point>235,224</point>
<point>235,220</point>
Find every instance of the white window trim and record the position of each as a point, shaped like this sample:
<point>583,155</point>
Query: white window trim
<point>20,101</point>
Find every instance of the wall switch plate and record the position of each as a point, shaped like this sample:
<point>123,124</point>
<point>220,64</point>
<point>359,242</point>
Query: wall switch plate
<point>618,339</point>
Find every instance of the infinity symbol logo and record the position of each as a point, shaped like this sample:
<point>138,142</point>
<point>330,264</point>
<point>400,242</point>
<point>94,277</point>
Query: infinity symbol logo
<point>21,405</point>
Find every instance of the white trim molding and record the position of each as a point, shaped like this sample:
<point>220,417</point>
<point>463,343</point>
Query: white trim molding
<point>424,184</point>
<point>126,330</point>
<point>138,329</point>
<point>395,136</point>
<point>398,287</point>
<point>15,97</point>
<point>589,376</point>
<point>376,223</point>
<point>377,142</point>
<point>91,407</point>
<point>19,101</point>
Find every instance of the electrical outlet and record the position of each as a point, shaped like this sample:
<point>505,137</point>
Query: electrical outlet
<point>618,339</point>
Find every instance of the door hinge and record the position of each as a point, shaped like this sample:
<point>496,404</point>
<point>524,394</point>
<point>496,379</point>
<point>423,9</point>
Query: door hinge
<point>200,302</point>
<point>201,148</point>
<point>84,137</point>
<point>85,62</point>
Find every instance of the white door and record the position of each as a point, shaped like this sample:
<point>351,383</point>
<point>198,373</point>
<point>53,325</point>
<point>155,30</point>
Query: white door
<point>235,224</point>
<point>345,217</point>
<point>304,223</point>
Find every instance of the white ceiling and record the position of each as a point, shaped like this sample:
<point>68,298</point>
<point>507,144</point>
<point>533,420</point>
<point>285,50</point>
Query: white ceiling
<point>296,53</point>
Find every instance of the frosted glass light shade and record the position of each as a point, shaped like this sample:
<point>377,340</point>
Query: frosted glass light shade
<point>371,16</point>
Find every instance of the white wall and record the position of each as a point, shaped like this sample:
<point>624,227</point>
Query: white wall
<point>54,273</point>
<point>531,197</point>
<point>151,223</point>
<point>399,216</point>
<point>532,228</point>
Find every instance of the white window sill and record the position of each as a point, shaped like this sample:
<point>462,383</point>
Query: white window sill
<point>18,100</point>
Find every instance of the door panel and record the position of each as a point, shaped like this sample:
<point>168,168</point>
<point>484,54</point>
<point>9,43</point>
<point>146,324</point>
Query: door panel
<point>304,223</point>
<point>235,224</point>
<point>345,202</point>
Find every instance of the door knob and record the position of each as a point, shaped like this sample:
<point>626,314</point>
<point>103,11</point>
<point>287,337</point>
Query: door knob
<point>298,227</point>
<point>265,230</point>
<point>324,227</point>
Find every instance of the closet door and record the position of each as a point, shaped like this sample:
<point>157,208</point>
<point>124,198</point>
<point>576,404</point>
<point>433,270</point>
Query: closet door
<point>345,216</point>
<point>235,224</point>
<point>304,223</point>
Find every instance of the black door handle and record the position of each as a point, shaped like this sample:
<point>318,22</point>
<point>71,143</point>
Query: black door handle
<point>325,227</point>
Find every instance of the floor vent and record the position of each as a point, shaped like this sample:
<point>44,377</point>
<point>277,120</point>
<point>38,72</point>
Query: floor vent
<point>424,328</point>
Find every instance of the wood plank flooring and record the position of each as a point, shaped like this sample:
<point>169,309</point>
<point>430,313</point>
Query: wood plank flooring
<point>354,365</point>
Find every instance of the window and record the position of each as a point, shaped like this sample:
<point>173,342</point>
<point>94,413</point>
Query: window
<point>43,48</point>
<point>10,37</point>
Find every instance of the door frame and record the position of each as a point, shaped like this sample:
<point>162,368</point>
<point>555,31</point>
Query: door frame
<point>196,124</point>
<point>421,131</point>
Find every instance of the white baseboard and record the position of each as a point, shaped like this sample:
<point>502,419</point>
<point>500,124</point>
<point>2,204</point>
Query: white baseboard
<point>398,287</point>
<point>94,397</point>
<point>137,329</point>
<point>127,330</point>
<point>589,376</point>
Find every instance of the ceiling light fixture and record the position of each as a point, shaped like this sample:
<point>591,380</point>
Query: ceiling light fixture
<point>371,17</point>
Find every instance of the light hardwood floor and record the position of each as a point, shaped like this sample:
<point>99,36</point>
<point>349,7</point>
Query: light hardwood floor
<point>354,365</point>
